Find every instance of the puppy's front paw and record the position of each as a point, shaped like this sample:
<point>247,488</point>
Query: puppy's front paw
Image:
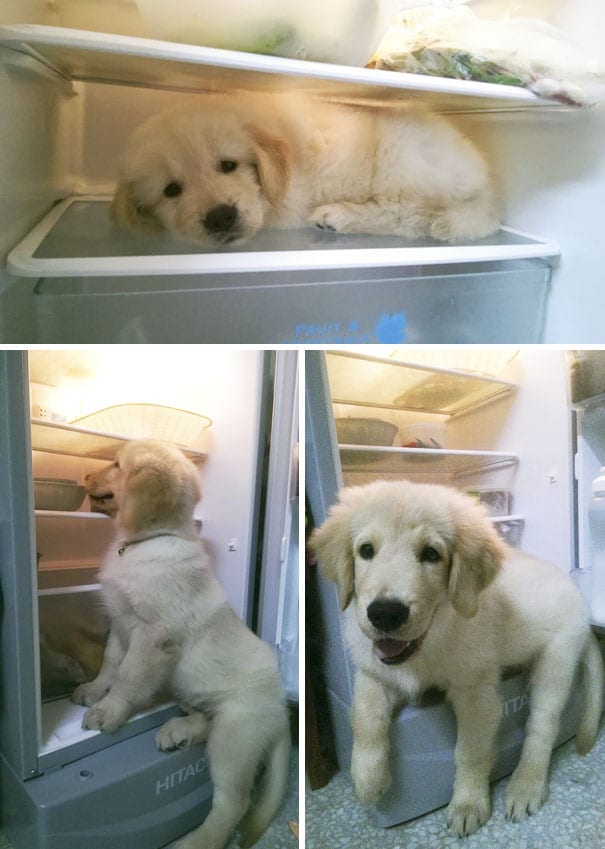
<point>371,774</point>
<point>88,694</point>
<point>524,797</point>
<point>464,816</point>
<point>171,736</point>
<point>107,716</point>
<point>334,216</point>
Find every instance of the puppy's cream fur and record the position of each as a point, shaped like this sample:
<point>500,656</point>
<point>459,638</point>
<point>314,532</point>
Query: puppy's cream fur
<point>475,607</point>
<point>172,629</point>
<point>299,162</point>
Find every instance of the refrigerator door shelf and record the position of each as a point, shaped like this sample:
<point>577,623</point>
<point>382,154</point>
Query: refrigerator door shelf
<point>77,238</point>
<point>99,57</point>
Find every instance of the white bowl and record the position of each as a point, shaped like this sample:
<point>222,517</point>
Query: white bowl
<point>422,435</point>
<point>344,32</point>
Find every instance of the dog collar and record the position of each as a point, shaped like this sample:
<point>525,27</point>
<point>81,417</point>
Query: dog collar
<point>128,543</point>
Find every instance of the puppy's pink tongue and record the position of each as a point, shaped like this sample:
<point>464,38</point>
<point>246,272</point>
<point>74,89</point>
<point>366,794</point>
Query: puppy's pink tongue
<point>389,648</point>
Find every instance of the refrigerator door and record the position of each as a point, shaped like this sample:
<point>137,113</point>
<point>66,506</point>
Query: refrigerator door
<point>277,621</point>
<point>323,482</point>
<point>20,680</point>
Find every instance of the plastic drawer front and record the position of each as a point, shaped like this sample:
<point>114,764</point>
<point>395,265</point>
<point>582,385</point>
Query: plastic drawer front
<point>422,748</point>
<point>129,795</point>
<point>503,302</point>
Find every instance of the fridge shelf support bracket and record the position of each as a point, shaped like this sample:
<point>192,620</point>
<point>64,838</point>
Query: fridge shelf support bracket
<point>38,66</point>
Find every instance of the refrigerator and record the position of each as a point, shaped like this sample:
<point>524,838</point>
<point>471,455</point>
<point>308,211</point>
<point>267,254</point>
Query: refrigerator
<point>64,414</point>
<point>520,430</point>
<point>77,76</point>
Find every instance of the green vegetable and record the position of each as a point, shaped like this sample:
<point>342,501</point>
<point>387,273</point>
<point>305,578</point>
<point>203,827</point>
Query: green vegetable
<point>266,39</point>
<point>455,64</point>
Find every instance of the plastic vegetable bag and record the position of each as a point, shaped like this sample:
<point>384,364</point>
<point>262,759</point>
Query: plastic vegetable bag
<point>455,42</point>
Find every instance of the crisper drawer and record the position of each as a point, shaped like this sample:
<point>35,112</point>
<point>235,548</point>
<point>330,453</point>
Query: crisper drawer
<point>491,302</point>
<point>98,284</point>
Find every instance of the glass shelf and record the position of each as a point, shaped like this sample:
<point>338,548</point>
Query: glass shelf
<point>421,461</point>
<point>78,55</point>
<point>76,545</point>
<point>396,385</point>
<point>78,239</point>
<point>74,441</point>
<point>81,515</point>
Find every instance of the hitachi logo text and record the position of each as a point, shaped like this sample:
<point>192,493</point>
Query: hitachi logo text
<point>180,776</point>
<point>516,704</point>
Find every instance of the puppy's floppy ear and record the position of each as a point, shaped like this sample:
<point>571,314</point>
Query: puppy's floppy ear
<point>129,213</point>
<point>149,495</point>
<point>476,560</point>
<point>272,162</point>
<point>331,544</point>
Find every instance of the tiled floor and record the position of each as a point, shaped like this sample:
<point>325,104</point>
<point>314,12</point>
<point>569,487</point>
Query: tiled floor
<point>572,818</point>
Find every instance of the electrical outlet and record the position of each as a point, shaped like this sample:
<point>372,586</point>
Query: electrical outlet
<point>232,544</point>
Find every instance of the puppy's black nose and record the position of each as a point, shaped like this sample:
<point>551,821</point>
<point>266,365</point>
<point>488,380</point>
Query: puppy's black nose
<point>386,614</point>
<point>220,219</point>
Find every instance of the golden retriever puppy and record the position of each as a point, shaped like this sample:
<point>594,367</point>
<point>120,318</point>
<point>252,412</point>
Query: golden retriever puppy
<point>172,628</point>
<point>434,598</point>
<point>218,171</point>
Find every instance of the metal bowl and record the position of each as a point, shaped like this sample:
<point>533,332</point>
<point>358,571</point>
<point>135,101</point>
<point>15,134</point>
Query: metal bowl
<point>360,431</point>
<point>57,494</point>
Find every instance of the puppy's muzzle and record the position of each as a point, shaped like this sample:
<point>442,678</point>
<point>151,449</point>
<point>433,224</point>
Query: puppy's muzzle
<point>101,498</point>
<point>221,219</point>
<point>387,614</point>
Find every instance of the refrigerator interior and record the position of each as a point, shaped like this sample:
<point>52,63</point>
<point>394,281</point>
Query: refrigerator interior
<point>70,438</point>
<point>67,131</point>
<point>494,422</point>
<point>503,424</point>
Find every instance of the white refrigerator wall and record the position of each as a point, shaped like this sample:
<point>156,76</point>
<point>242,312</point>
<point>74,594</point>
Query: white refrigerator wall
<point>534,424</point>
<point>29,182</point>
<point>552,171</point>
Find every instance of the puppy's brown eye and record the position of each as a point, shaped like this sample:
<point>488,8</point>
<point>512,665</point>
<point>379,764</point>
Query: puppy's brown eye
<point>116,465</point>
<point>430,555</point>
<point>172,190</point>
<point>227,165</point>
<point>366,550</point>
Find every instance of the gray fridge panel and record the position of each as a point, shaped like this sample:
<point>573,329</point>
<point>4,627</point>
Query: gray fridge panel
<point>19,682</point>
<point>159,796</point>
<point>503,302</point>
<point>422,748</point>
